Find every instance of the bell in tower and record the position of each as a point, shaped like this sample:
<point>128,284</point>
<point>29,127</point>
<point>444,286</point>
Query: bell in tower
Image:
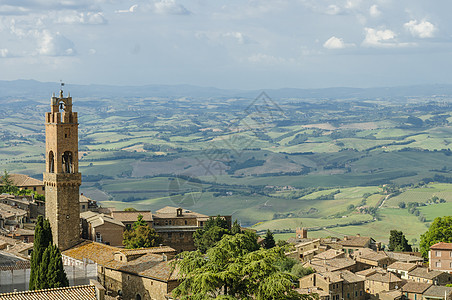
<point>62,178</point>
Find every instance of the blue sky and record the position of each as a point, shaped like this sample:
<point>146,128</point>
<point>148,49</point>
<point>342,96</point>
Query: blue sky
<point>228,44</point>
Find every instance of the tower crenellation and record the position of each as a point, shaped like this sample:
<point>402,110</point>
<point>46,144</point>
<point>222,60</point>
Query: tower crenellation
<point>61,177</point>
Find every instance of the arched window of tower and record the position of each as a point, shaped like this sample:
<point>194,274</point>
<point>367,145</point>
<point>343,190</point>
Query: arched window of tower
<point>51,162</point>
<point>68,166</point>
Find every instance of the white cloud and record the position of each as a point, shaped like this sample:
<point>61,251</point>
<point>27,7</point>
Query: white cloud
<point>333,9</point>
<point>265,58</point>
<point>336,43</point>
<point>379,38</point>
<point>351,4</point>
<point>91,18</point>
<point>422,29</point>
<point>4,52</point>
<point>374,11</point>
<point>132,9</point>
<point>170,7</point>
<point>217,37</point>
<point>53,44</point>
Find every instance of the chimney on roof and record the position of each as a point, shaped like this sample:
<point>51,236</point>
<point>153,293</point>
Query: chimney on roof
<point>164,257</point>
<point>179,212</point>
<point>358,234</point>
<point>81,194</point>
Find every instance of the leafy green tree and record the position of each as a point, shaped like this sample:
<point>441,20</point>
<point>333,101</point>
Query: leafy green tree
<point>7,184</point>
<point>141,236</point>
<point>402,204</point>
<point>235,268</point>
<point>269,240</point>
<point>439,231</point>
<point>299,271</point>
<point>236,228</point>
<point>398,242</point>
<point>130,209</point>
<point>214,229</point>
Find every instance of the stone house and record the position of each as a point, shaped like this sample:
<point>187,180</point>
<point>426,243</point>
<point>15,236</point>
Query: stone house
<point>33,207</point>
<point>404,257</point>
<point>129,217</point>
<point>371,258</point>
<point>351,244</point>
<point>24,182</point>
<point>143,273</point>
<point>426,275</point>
<point>177,225</point>
<point>331,265</point>
<point>307,250</point>
<point>414,290</point>
<point>378,280</point>
<point>338,284</point>
<point>101,228</point>
<point>440,257</point>
<point>438,292</point>
<point>402,268</point>
<point>12,217</point>
<point>87,204</point>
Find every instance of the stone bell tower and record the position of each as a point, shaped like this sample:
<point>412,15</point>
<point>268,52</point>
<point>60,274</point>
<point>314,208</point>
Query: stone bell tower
<point>61,177</point>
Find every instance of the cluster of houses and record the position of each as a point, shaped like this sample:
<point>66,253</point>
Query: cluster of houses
<point>356,268</point>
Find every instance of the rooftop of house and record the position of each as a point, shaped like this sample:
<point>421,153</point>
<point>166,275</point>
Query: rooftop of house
<point>171,212</point>
<point>415,287</point>
<point>384,277</point>
<point>402,266</point>
<point>153,250</point>
<point>356,241</point>
<point>441,246</point>
<point>437,291</point>
<point>6,209</point>
<point>21,180</point>
<point>404,257</point>
<point>97,219</point>
<point>131,216</point>
<point>81,292</point>
<point>371,271</point>
<point>330,254</point>
<point>390,295</point>
<point>369,254</point>
<point>312,290</point>
<point>305,243</point>
<point>84,199</point>
<point>425,273</point>
<point>332,264</point>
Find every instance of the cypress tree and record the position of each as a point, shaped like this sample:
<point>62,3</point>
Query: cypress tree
<point>56,276</point>
<point>269,240</point>
<point>236,229</point>
<point>46,262</point>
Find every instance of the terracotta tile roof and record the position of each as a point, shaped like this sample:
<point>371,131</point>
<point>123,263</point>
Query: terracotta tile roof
<point>305,243</point>
<point>355,241</point>
<point>393,294</point>
<point>385,277</point>
<point>437,291</point>
<point>404,257</point>
<point>20,247</point>
<point>97,219</point>
<point>84,199</point>
<point>425,273</point>
<point>21,180</point>
<point>371,255</point>
<point>332,264</point>
<point>330,254</point>
<point>149,265</point>
<point>96,252</point>
<point>81,292</point>
<point>131,216</point>
<point>415,287</point>
<point>154,250</point>
<point>313,290</point>
<point>442,246</point>
<point>398,265</point>
<point>371,271</point>
<point>5,208</point>
<point>171,212</point>
<point>330,276</point>
<point>350,276</point>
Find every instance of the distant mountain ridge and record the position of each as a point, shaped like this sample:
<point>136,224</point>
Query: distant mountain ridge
<point>40,91</point>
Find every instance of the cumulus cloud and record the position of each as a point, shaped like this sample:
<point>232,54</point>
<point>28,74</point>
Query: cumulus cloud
<point>170,7</point>
<point>379,38</point>
<point>131,9</point>
<point>333,9</point>
<point>336,43</point>
<point>91,18</point>
<point>374,11</point>
<point>54,44</point>
<point>421,30</point>
<point>4,52</point>
<point>161,7</point>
